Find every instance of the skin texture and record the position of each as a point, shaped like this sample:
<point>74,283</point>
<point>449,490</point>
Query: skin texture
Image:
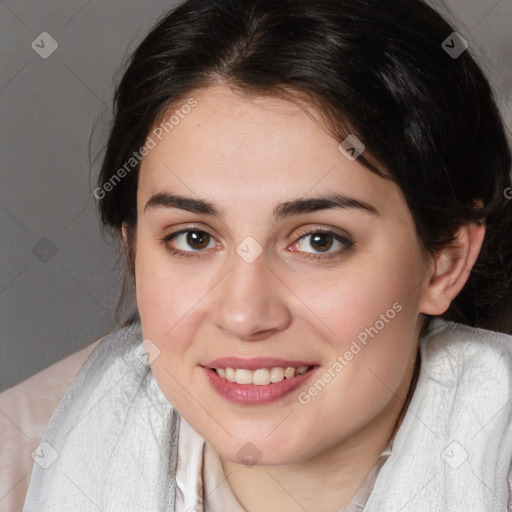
<point>246,156</point>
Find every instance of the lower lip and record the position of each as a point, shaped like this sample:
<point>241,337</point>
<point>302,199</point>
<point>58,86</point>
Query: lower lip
<point>251,394</point>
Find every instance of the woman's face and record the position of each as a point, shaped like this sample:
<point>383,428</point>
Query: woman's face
<point>288,252</point>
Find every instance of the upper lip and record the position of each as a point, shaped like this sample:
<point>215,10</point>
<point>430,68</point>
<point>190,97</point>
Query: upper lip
<point>254,363</point>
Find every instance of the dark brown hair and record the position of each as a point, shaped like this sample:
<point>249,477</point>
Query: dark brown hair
<point>382,74</point>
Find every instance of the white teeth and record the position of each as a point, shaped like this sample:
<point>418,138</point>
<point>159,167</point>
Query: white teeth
<point>260,377</point>
<point>301,370</point>
<point>289,372</point>
<point>276,374</point>
<point>243,376</point>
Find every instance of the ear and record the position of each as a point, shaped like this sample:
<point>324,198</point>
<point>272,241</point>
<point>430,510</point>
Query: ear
<point>128,242</point>
<point>452,267</point>
<point>124,236</point>
<point>128,246</point>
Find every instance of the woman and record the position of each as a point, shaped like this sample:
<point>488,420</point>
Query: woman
<point>312,201</point>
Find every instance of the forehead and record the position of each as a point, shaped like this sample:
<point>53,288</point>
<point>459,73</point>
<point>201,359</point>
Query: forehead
<point>234,149</point>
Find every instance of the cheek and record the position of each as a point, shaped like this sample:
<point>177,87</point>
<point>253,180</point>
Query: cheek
<point>167,303</point>
<point>377,291</point>
<point>369,360</point>
<point>367,313</point>
<point>166,295</point>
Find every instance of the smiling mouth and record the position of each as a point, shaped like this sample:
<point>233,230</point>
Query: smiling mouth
<point>260,386</point>
<point>261,376</point>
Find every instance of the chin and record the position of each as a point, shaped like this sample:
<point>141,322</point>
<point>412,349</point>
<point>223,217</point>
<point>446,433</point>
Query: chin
<point>260,451</point>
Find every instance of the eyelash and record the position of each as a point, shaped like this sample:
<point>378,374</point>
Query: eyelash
<point>348,243</point>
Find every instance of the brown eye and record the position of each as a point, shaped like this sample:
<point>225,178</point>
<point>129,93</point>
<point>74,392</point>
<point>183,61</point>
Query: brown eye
<point>317,242</point>
<point>198,239</point>
<point>189,241</point>
<point>321,242</point>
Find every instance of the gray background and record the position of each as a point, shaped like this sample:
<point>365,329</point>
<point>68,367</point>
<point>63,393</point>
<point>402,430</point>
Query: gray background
<point>59,283</point>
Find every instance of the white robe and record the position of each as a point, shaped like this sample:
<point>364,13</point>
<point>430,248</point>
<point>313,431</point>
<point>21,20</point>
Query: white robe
<point>112,443</point>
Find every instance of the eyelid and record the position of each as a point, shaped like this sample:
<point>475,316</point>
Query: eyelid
<point>186,228</point>
<point>320,229</point>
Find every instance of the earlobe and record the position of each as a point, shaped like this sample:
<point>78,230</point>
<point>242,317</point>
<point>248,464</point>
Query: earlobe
<point>124,236</point>
<point>453,266</point>
<point>128,241</point>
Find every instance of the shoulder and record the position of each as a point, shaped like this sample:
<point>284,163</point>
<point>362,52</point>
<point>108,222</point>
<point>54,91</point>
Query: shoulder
<point>460,354</point>
<point>114,355</point>
<point>459,338</point>
<point>107,431</point>
<point>115,377</point>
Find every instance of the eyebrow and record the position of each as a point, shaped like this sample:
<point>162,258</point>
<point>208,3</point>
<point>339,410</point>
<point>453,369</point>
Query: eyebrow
<point>282,210</point>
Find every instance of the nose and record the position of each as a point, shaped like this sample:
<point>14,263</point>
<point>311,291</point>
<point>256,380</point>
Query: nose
<point>251,301</point>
